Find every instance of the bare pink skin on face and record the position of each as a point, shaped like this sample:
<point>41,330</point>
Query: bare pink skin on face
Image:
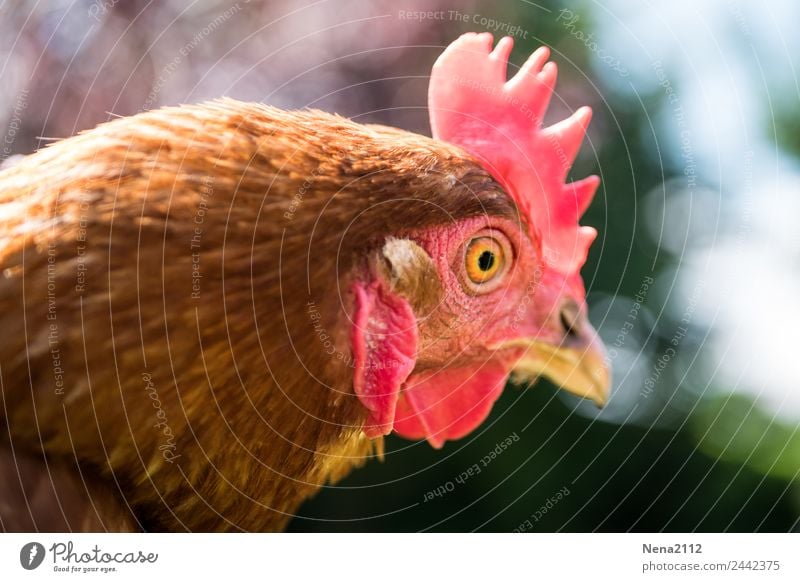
<point>458,373</point>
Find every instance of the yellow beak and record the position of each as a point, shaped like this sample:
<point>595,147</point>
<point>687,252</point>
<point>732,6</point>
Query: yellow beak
<point>578,364</point>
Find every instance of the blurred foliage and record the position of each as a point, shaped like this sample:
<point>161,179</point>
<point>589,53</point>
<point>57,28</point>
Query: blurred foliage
<point>735,430</point>
<point>786,128</point>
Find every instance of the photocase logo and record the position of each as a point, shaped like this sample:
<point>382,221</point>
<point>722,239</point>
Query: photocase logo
<point>31,555</point>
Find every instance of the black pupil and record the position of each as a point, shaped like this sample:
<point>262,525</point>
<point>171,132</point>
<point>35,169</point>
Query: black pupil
<point>486,260</point>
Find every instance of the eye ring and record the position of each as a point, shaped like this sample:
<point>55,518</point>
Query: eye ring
<point>483,259</point>
<point>486,260</point>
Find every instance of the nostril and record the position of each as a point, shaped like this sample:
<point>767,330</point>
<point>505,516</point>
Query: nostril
<point>570,320</point>
<point>569,330</point>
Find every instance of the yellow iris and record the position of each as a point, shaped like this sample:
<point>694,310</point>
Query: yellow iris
<point>484,259</point>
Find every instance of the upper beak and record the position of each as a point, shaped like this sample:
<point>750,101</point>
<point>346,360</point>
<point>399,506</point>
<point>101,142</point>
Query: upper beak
<point>577,363</point>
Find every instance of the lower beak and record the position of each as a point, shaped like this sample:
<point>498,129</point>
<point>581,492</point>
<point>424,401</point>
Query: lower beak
<point>578,364</point>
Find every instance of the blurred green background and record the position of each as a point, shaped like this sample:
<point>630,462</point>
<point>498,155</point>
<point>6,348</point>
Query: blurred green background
<point>693,281</point>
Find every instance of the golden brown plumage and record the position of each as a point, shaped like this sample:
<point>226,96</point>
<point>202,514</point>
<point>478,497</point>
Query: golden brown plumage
<point>173,298</point>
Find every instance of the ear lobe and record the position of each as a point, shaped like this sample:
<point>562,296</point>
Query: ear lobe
<point>410,272</point>
<point>385,341</point>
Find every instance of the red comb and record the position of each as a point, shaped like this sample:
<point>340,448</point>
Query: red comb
<point>500,122</point>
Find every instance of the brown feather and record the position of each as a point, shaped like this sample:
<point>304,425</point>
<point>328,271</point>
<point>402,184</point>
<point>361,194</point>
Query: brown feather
<point>205,402</point>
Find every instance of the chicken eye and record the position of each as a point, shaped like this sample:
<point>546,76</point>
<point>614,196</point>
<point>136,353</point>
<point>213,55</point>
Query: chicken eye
<point>484,259</point>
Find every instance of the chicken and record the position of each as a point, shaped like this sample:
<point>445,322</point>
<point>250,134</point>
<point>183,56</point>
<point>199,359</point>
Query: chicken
<point>210,311</point>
